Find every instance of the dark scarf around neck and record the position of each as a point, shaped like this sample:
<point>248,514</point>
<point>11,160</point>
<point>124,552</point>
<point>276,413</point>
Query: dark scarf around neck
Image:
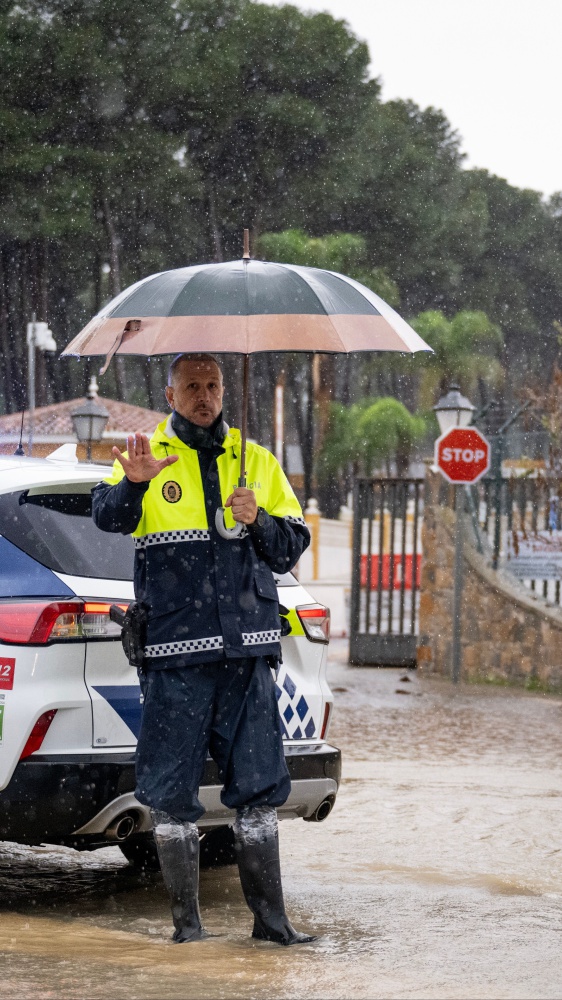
<point>199,437</point>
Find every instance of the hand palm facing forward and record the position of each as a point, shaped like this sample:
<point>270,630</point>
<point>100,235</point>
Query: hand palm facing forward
<point>139,464</point>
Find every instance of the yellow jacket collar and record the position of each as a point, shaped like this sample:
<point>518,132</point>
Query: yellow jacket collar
<point>164,434</point>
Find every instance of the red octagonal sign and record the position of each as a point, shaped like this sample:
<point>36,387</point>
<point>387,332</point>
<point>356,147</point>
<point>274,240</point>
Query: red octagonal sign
<point>462,455</point>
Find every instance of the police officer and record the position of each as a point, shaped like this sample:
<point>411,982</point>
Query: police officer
<point>213,635</point>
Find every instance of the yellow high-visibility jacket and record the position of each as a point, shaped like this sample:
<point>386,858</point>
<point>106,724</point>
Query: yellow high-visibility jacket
<point>206,596</point>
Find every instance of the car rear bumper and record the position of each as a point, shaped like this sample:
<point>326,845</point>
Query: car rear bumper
<point>79,799</point>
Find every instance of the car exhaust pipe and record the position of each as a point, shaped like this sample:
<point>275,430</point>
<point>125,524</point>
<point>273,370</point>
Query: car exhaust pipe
<point>121,828</point>
<point>322,811</point>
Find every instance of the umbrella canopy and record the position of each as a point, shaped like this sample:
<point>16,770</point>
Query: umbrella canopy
<point>245,307</point>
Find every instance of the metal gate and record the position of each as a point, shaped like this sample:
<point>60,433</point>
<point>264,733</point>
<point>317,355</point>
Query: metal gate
<point>386,570</point>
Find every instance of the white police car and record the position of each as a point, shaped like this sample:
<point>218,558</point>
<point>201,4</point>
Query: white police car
<point>69,701</point>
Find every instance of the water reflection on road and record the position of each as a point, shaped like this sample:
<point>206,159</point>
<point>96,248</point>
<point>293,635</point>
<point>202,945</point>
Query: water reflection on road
<point>439,874</point>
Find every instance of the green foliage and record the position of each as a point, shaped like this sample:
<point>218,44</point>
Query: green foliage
<point>379,281</point>
<point>264,97</point>
<point>345,253</point>
<point>367,435</point>
<point>385,430</point>
<point>337,252</point>
<point>466,348</point>
<point>513,275</point>
<point>399,189</point>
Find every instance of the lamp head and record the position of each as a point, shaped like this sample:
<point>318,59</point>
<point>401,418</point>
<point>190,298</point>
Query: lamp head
<point>89,420</point>
<point>453,410</point>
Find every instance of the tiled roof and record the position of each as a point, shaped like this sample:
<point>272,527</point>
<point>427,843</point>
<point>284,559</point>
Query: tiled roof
<point>55,419</point>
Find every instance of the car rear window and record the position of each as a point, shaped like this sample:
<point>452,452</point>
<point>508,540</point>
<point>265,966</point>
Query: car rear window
<point>56,528</point>
<point>22,576</point>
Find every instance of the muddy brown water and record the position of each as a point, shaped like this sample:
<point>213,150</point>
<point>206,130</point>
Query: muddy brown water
<point>439,873</point>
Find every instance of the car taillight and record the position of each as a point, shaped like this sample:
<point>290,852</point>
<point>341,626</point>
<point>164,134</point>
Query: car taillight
<point>96,621</point>
<point>315,620</point>
<point>36,623</point>
<point>38,733</point>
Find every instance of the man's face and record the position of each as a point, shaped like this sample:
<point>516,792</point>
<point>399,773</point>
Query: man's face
<point>196,391</point>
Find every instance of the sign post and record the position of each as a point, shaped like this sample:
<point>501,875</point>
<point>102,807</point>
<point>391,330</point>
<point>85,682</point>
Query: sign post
<point>462,456</point>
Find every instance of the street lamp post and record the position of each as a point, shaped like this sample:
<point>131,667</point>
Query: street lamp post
<point>455,410</point>
<point>39,337</point>
<point>89,419</point>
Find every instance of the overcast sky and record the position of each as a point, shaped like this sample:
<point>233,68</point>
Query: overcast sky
<point>494,67</point>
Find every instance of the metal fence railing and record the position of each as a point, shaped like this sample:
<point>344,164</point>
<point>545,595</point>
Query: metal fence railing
<point>520,522</point>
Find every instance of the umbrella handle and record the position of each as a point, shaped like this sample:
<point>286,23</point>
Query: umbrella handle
<point>224,532</point>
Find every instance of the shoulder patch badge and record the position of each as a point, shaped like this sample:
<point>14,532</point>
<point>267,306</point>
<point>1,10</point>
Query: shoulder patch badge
<point>171,491</point>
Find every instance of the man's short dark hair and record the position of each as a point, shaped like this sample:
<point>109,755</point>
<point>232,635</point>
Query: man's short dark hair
<point>190,357</point>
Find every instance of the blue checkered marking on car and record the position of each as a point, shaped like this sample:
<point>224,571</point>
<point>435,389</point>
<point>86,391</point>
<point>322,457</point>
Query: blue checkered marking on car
<point>296,715</point>
<point>123,699</point>
<point>302,707</point>
<point>289,686</point>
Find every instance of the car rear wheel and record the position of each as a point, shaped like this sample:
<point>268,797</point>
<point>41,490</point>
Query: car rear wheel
<point>216,850</point>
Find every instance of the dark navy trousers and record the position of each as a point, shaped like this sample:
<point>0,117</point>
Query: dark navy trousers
<point>227,709</point>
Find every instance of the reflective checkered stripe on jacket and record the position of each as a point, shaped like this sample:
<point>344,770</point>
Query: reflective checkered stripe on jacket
<point>211,642</point>
<point>167,537</point>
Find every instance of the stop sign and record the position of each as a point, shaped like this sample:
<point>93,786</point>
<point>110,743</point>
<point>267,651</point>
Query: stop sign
<point>462,455</point>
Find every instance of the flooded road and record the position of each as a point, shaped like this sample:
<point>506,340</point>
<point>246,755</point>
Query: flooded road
<point>439,873</point>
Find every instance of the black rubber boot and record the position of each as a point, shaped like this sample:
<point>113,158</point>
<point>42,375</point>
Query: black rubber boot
<point>257,853</point>
<point>178,853</point>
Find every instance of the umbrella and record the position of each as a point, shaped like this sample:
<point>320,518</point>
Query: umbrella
<point>245,307</point>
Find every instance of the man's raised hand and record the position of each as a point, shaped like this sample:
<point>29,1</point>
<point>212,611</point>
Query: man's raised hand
<point>139,464</point>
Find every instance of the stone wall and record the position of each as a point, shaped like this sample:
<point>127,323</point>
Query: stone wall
<point>508,633</point>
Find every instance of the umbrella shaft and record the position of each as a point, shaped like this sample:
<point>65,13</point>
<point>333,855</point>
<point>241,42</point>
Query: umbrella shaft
<point>245,394</point>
